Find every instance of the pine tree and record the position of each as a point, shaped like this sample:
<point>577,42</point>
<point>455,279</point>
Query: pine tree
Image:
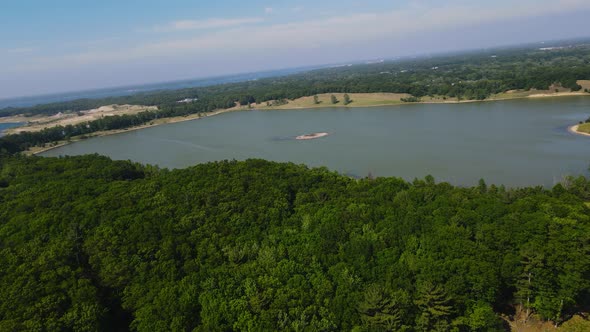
<point>435,307</point>
<point>381,310</point>
<point>525,289</point>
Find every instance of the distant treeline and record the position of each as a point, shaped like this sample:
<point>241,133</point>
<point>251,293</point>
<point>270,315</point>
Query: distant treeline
<point>92,244</point>
<point>468,76</point>
<point>473,76</point>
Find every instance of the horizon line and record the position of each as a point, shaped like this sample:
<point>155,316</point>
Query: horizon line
<point>310,67</point>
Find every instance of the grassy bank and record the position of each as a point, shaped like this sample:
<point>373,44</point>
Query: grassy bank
<point>385,99</point>
<point>580,129</point>
<point>584,128</point>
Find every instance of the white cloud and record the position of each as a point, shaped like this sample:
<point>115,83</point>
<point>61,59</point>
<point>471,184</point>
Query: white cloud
<point>212,23</point>
<point>268,10</point>
<point>254,40</point>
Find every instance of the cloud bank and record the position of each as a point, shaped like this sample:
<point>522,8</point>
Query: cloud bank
<point>207,43</point>
<point>213,23</point>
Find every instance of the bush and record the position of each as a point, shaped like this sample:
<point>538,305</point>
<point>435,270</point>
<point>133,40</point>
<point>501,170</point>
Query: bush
<point>411,99</point>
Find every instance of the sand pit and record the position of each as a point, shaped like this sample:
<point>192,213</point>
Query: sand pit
<point>39,123</point>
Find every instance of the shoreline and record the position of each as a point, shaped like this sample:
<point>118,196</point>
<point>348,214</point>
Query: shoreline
<point>163,121</point>
<point>448,101</point>
<point>574,130</point>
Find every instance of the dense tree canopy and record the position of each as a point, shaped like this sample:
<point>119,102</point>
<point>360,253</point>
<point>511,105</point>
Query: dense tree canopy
<point>88,243</point>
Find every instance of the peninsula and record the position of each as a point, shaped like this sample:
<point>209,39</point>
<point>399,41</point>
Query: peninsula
<point>581,129</point>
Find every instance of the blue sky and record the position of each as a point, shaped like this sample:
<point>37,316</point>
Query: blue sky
<point>65,45</point>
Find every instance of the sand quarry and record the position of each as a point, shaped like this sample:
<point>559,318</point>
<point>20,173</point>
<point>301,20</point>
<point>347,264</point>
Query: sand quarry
<point>37,123</point>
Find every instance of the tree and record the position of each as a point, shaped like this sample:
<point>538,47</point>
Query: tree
<point>434,306</point>
<point>381,310</point>
<point>532,263</point>
<point>481,317</point>
<point>333,99</point>
<point>316,99</point>
<point>347,99</point>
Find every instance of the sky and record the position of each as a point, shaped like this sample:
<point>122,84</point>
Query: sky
<point>70,45</point>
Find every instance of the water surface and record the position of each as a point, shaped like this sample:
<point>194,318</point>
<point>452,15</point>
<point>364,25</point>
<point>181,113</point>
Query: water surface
<point>4,126</point>
<point>516,143</point>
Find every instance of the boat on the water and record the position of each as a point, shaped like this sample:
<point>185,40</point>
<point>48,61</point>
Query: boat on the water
<point>311,136</point>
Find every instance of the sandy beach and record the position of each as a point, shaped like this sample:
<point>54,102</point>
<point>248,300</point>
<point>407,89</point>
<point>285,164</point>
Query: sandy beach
<point>558,94</point>
<point>15,119</point>
<point>38,123</point>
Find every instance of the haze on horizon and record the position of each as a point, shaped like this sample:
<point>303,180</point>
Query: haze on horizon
<point>66,45</point>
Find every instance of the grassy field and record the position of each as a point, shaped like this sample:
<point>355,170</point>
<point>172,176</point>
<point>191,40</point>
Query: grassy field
<point>585,128</point>
<point>585,84</point>
<point>516,94</point>
<point>553,90</point>
<point>358,100</point>
<point>384,99</point>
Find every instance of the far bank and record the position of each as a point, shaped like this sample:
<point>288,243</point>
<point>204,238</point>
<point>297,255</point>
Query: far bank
<point>322,101</point>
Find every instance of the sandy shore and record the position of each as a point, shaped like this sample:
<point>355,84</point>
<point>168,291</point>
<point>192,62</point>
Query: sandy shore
<point>574,130</point>
<point>39,122</point>
<point>15,119</point>
<point>37,149</point>
<point>558,94</point>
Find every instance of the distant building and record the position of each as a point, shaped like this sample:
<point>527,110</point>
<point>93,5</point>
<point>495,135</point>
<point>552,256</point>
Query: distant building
<point>551,48</point>
<point>187,100</point>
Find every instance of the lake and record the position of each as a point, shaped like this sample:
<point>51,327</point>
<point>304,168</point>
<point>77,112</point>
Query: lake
<point>4,126</point>
<point>516,143</point>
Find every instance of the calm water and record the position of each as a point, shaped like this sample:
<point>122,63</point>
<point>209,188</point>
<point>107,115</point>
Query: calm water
<point>516,143</point>
<point>4,126</point>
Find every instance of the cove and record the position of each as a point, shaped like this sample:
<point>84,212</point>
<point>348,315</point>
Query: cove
<point>515,143</point>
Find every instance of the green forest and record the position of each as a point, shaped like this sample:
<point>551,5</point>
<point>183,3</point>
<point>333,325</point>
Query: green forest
<point>87,243</point>
<point>465,76</point>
